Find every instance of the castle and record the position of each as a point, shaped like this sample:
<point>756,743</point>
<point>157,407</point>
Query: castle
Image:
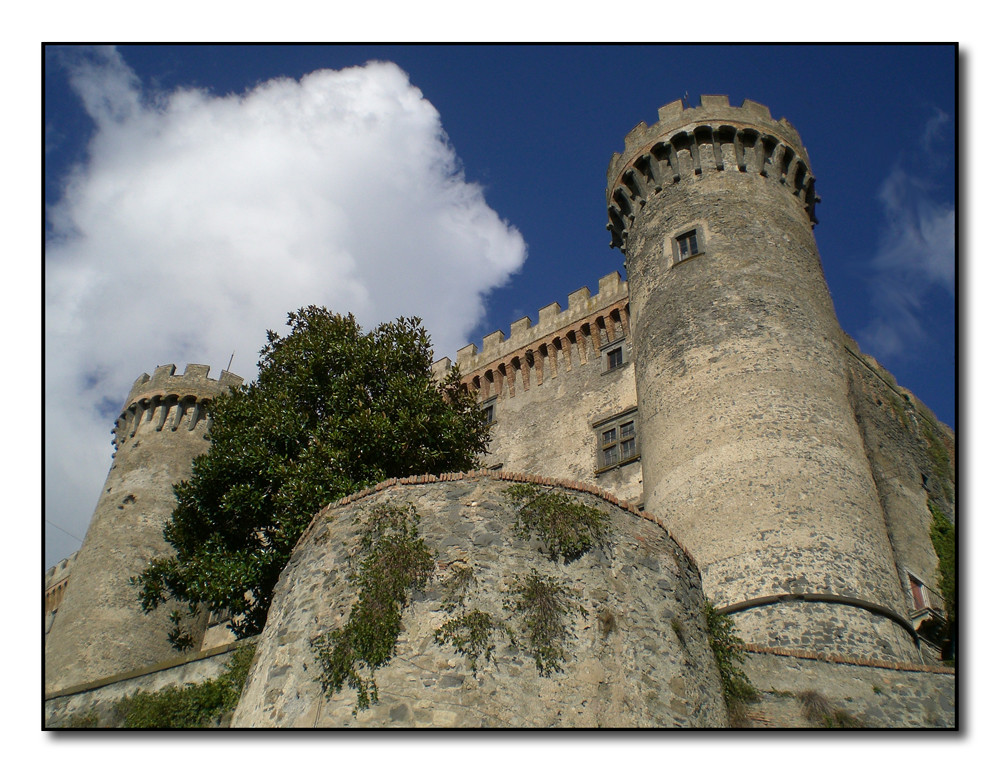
<point>744,449</point>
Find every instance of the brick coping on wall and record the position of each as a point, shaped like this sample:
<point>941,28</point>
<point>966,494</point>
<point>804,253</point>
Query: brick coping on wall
<point>846,660</point>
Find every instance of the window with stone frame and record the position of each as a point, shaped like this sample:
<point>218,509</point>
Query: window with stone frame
<point>613,354</point>
<point>688,244</point>
<point>617,442</point>
<point>918,592</point>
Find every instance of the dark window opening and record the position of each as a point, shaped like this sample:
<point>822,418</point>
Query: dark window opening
<point>687,245</point>
<point>917,591</point>
<point>617,441</point>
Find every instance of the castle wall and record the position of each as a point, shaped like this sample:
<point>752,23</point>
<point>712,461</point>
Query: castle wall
<point>888,695</point>
<point>750,445</point>
<point>552,393</point>
<point>912,460</point>
<point>56,581</point>
<point>93,704</point>
<point>100,629</point>
<point>637,655</point>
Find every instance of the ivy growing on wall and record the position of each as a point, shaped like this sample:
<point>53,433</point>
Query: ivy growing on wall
<point>542,603</point>
<point>392,562</point>
<point>538,605</point>
<point>728,649</point>
<point>567,527</point>
<point>943,538</point>
<point>191,706</point>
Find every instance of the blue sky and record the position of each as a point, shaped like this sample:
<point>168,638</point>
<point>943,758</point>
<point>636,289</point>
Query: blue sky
<point>474,202</point>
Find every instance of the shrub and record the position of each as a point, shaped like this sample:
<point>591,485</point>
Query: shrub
<point>543,603</point>
<point>472,634</point>
<point>194,705</point>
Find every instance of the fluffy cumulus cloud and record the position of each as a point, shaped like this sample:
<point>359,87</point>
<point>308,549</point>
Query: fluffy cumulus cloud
<point>916,254</point>
<point>197,221</point>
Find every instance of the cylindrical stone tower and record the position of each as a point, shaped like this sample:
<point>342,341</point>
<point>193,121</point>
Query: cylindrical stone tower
<point>100,629</point>
<point>750,447</point>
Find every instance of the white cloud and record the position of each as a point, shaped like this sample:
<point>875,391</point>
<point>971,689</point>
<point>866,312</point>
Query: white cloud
<point>915,256</point>
<point>198,221</point>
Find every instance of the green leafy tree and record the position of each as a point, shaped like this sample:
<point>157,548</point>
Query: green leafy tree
<point>333,410</point>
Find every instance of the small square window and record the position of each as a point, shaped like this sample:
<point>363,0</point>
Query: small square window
<point>489,413</point>
<point>614,358</point>
<point>687,245</point>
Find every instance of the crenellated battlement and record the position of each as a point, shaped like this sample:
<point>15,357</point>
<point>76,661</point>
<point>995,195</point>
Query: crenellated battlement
<point>588,322</point>
<point>166,399</point>
<point>194,382</point>
<point>687,143</point>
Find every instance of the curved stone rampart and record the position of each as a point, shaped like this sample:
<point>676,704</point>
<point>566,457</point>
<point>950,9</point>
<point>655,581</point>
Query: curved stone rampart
<point>637,654</point>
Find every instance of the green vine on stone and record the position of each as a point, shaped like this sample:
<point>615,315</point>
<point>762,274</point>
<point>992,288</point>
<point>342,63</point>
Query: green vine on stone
<point>472,634</point>
<point>942,533</point>
<point>190,706</point>
<point>728,649</point>
<point>393,561</point>
<point>568,528</point>
<point>543,603</point>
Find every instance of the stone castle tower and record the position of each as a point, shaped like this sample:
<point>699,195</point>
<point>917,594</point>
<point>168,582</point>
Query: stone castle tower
<point>750,445</point>
<point>99,629</point>
<point>712,396</point>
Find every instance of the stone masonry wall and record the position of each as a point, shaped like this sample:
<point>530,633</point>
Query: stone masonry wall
<point>548,385</point>
<point>912,460</point>
<point>97,701</point>
<point>638,654</point>
<point>888,695</point>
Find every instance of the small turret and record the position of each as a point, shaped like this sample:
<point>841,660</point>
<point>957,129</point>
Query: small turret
<point>100,629</point>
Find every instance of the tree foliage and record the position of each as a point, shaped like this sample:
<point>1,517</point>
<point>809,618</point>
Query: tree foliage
<point>333,410</point>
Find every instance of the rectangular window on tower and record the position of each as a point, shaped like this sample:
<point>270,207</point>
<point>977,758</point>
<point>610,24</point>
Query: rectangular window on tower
<point>686,245</point>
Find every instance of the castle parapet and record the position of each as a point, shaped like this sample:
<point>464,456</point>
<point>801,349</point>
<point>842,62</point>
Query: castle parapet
<point>551,319</point>
<point>194,382</point>
<point>694,141</point>
<point>168,394</point>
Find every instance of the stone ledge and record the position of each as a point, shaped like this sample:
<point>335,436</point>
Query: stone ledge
<point>163,665</point>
